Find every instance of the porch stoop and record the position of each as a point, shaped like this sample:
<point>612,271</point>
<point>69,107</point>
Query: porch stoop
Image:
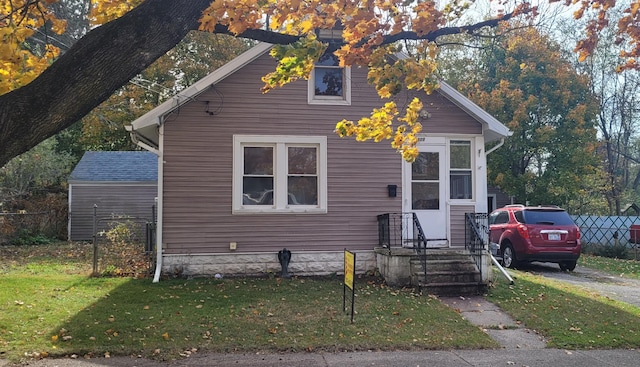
<point>449,273</point>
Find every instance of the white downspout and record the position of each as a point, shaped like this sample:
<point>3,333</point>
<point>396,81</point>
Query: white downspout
<point>160,208</point>
<point>501,143</point>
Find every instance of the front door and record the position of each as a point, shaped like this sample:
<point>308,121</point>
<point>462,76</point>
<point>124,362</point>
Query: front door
<point>425,193</point>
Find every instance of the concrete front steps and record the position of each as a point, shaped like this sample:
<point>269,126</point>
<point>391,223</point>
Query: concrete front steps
<point>449,273</point>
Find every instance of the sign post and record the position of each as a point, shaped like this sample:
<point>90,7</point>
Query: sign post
<point>349,275</point>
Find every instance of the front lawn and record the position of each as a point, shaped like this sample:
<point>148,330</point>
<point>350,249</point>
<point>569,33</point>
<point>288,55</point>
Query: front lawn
<point>569,317</point>
<point>51,307</point>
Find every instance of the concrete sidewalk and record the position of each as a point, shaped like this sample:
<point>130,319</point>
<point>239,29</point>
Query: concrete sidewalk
<point>457,358</point>
<point>495,322</point>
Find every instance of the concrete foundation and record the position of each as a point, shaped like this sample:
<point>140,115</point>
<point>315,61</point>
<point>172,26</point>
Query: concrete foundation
<point>260,264</point>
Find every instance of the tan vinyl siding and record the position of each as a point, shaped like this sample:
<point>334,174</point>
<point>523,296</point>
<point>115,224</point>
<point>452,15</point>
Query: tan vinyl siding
<point>447,119</point>
<point>133,200</point>
<point>198,151</point>
<point>502,198</point>
<point>457,223</point>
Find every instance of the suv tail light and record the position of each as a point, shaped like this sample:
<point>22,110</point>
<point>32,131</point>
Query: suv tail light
<point>578,235</point>
<point>523,231</point>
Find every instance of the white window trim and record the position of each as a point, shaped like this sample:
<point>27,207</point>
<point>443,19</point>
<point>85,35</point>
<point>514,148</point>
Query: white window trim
<point>345,99</point>
<point>473,173</point>
<point>279,142</point>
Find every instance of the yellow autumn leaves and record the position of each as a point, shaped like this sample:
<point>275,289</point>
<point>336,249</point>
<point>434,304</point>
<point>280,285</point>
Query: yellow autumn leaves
<point>295,61</point>
<point>380,126</point>
<point>103,11</point>
<point>20,63</point>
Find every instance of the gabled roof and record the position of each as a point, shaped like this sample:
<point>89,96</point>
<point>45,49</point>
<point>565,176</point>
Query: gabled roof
<point>491,127</point>
<point>145,128</point>
<point>116,167</point>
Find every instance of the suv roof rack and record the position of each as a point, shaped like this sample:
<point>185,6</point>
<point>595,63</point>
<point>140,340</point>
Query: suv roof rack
<point>514,206</point>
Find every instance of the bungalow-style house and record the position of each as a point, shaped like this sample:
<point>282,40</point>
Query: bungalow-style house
<point>243,175</point>
<point>110,185</point>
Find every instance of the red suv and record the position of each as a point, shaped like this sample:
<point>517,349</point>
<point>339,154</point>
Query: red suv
<point>541,233</point>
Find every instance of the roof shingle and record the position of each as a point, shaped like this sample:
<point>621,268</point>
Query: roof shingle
<point>116,166</point>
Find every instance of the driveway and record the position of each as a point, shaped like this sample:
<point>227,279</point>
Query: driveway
<point>614,287</point>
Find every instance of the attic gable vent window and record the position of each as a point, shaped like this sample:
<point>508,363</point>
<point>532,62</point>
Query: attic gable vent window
<point>329,83</point>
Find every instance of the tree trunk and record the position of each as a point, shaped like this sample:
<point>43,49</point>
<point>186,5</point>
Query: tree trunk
<point>91,70</point>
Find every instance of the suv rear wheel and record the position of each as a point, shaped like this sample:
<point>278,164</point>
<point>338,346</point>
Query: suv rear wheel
<point>567,265</point>
<point>508,256</point>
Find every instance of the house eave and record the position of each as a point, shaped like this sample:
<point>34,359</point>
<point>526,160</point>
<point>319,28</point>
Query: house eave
<point>492,128</point>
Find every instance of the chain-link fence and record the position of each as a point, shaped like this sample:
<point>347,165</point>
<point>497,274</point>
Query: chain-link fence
<point>611,236</point>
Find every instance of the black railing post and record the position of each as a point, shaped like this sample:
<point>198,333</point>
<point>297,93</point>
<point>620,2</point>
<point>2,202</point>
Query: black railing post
<point>421,243</point>
<point>384,239</point>
<point>476,235</point>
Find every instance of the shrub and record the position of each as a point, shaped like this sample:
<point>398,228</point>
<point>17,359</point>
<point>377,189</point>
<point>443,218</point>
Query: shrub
<point>122,250</point>
<point>27,239</point>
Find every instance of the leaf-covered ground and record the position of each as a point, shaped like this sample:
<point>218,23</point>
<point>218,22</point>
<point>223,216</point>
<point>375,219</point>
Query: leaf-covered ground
<point>569,317</point>
<point>619,267</point>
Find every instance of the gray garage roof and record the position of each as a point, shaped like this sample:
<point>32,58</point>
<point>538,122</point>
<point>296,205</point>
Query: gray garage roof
<point>116,167</point>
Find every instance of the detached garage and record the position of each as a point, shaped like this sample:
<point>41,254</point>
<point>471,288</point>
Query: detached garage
<point>118,183</point>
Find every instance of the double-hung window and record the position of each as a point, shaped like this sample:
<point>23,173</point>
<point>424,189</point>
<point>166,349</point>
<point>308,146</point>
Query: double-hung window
<point>330,83</point>
<point>460,169</point>
<point>279,174</point>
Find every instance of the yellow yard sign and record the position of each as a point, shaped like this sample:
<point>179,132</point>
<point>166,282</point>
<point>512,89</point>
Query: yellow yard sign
<point>349,268</point>
<point>349,275</point>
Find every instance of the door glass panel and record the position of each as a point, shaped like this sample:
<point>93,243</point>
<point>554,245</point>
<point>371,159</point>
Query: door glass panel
<point>425,195</point>
<point>425,185</point>
<point>426,166</point>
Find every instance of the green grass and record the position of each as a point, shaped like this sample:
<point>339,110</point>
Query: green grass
<point>46,259</point>
<point>52,308</point>
<point>569,317</point>
<point>49,306</point>
<point>618,267</point>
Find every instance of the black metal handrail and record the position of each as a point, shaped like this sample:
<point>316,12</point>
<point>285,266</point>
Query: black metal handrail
<point>421,243</point>
<point>476,236</point>
<point>393,231</point>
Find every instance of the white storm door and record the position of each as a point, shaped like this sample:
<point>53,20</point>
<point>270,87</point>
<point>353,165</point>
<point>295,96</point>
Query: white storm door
<point>425,193</point>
